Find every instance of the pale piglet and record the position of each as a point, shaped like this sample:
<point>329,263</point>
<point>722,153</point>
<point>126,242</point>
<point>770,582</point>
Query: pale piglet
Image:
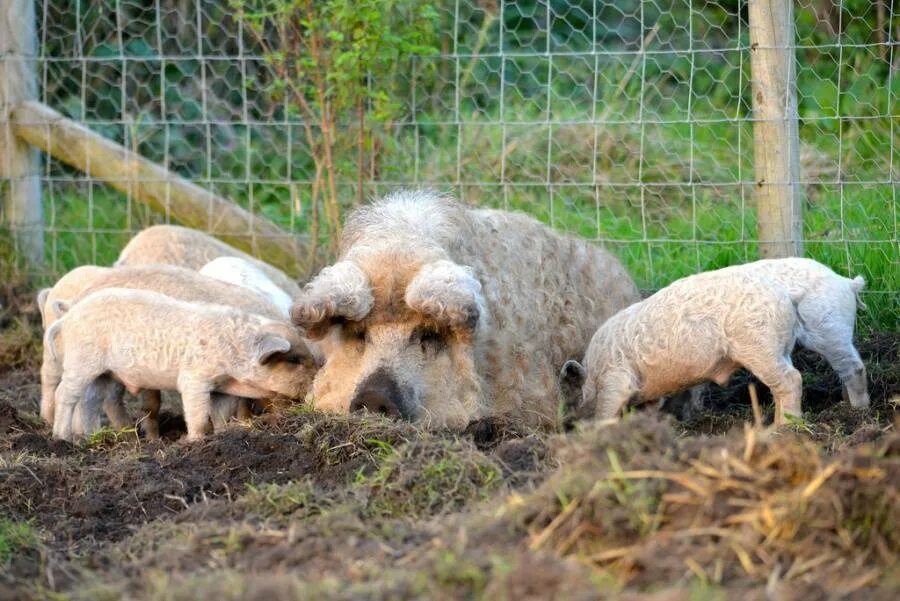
<point>704,327</point>
<point>699,328</point>
<point>176,282</point>
<point>192,249</point>
<point>147,340</point>
<point>241,272</point>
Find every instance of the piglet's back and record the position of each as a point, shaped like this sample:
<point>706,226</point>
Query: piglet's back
<point>182,284</point>
<point>119,315</point>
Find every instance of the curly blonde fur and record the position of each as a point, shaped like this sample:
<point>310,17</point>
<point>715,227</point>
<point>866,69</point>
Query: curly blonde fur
<point>469,312</point>
<point>704,327</point>
<point>147,340</point>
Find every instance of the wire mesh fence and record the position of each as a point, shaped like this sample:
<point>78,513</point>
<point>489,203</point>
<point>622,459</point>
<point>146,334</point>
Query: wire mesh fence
<point>627,122</point>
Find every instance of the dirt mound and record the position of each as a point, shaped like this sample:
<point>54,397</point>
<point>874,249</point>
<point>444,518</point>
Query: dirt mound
<point>10,421</point>
<point>303,504</point>
<point>102,494</point>
<point>751,509</point>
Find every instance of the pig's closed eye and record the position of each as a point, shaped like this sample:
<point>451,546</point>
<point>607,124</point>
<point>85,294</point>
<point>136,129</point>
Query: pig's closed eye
<point>355,335</point>
<point>429,339</point>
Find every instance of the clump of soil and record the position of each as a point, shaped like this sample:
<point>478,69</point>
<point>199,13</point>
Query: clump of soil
<point>10,422</point>
<point>429,477</point>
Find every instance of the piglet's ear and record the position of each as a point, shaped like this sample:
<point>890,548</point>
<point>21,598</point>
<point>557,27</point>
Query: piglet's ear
<point>58,308</point>
<point>271,346</point>
<point>340,291</point>
<point>447,293</point>
<point>41,301</point>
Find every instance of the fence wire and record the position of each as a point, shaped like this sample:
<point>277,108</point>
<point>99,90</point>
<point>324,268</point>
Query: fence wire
<point>627,122</point>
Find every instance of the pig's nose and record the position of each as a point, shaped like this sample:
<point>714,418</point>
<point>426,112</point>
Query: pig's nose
<point>379,393</point>
<point>375,403</point>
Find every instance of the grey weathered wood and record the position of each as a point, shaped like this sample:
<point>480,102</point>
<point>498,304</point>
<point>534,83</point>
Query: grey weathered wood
<point>156,186</point>
<point>776,140</point>
<point>19,163</point>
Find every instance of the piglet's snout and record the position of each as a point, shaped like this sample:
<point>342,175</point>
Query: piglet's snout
<point>380,393</point>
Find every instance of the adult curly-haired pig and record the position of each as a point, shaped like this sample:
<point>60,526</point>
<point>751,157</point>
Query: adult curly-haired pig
<point>147,340</point>
<point>192,249</point>
<point>440,313</point>
<point>704,327</point>
<point>176,282</point>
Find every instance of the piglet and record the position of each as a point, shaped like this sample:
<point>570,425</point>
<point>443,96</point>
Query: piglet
<point>699,328</point>
<point>146,340</point>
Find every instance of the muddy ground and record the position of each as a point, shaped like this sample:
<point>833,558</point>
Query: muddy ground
<point>306,505</point>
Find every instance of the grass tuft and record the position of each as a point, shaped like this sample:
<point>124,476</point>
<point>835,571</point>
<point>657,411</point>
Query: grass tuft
<point>15,537</point>
<point>431,476</point>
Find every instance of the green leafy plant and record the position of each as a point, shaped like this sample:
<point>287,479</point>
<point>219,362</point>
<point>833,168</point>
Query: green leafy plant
<point>340,62</point>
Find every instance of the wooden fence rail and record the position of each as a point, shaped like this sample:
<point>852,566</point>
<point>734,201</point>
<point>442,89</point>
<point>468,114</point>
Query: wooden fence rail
<point>156,186</point>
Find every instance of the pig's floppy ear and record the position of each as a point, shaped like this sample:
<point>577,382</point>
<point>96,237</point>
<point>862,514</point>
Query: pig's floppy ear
<point>571,379</point>
<point>270,346</point>
<point>447,293</point>
<point>340,291</point>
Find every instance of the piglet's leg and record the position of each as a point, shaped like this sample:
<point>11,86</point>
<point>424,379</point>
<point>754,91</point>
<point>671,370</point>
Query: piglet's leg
<point>785,383</point>
<point>829,331</point>
<point>244,410</point>
<point>88,415</point>
<point>152,401</point>
<point>616,390</point>
<point>114,405</point>
<point>69,395</point>
<point>51,374</point>
<point>845,360</point>
<point>223,409</point>
<point>197,402</point>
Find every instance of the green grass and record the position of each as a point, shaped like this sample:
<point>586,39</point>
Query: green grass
<point>429,478</point>
<point>681,205</point>
<point>15,537</point>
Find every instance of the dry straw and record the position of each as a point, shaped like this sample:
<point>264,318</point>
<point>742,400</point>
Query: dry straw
<point>762,507</point>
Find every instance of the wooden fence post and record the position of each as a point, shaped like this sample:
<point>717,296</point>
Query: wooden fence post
<point>19,163</point>
<point>776,140</point>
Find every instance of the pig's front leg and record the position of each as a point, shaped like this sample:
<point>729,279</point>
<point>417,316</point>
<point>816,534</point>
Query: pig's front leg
<point>196,398</point>
<point>69,396</point>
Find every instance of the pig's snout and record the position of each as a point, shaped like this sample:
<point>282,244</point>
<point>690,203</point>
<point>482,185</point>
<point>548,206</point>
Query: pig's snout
<point>380,393</point>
